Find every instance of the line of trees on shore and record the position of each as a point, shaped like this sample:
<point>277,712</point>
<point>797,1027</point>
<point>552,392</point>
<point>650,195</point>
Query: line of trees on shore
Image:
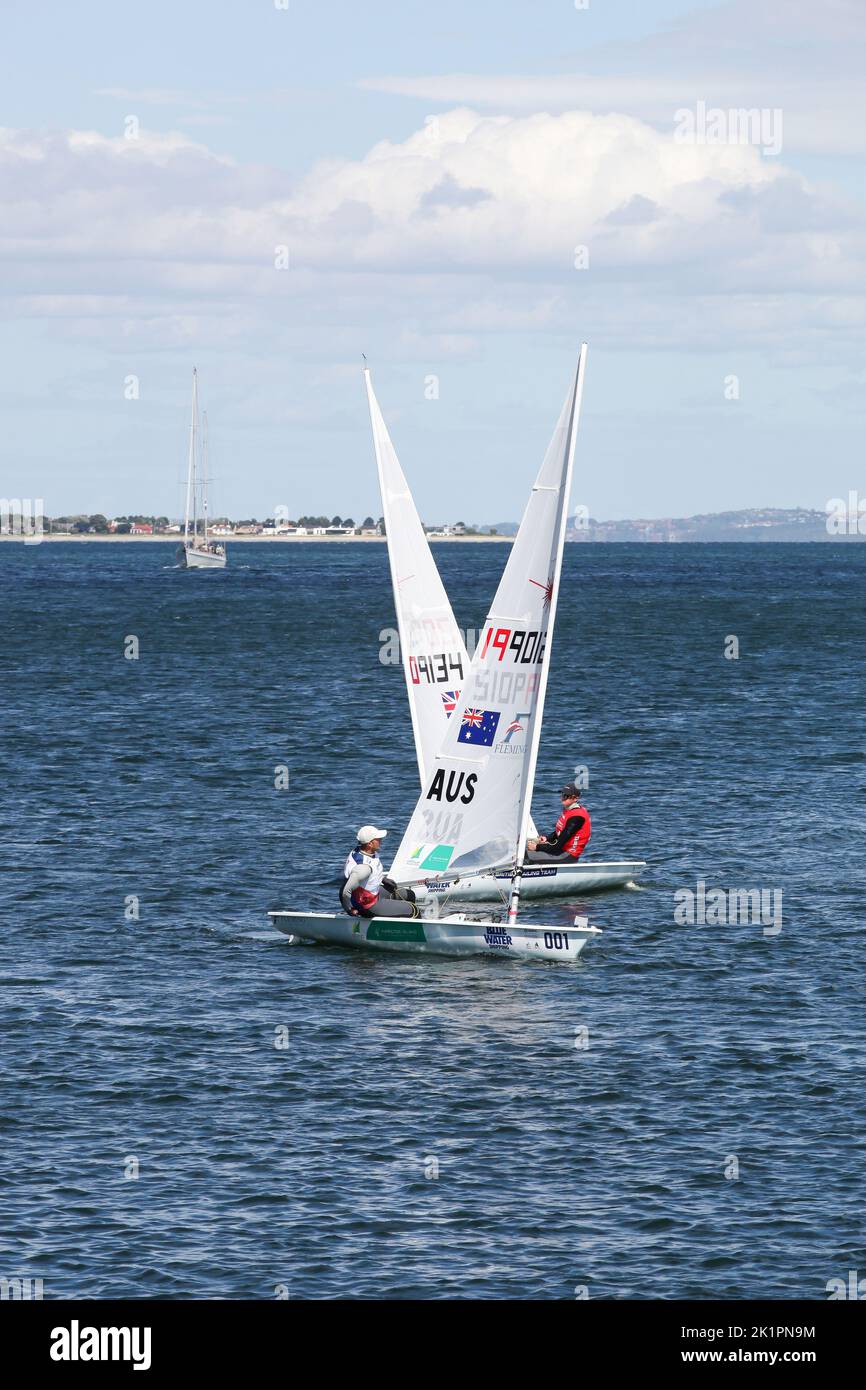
<point>368,524</point>
<point>98,523</point>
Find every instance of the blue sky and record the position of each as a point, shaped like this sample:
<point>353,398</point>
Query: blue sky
<point>431,169</point>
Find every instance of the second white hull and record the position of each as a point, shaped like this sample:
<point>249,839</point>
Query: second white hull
<point>455,935</point>
<point>537,881</point>
<point>201,559</point>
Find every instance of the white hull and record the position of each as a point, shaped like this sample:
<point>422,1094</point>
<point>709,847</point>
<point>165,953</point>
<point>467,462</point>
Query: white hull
<point>454,935</point>
<point>201,559</point>
<point>537,881</point>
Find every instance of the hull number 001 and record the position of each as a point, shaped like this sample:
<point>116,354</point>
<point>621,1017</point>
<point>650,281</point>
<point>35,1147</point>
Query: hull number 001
<point>556,940</point>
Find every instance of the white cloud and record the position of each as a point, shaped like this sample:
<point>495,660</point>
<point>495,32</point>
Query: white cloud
<point>498,203</point>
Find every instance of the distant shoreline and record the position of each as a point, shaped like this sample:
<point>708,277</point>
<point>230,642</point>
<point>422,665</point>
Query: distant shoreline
<point>230,541</point>
<point>777,524</point>
<point>245,540</point>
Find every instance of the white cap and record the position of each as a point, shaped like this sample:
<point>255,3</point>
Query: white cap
<point>368,833</point>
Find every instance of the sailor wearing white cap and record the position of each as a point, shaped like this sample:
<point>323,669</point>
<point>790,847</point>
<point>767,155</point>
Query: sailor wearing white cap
<point>366,891</point>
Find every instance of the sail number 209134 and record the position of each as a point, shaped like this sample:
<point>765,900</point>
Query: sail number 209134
<point>435,668</point>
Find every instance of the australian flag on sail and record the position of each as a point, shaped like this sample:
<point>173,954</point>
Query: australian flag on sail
<point>478,726</point>
<point>449,701</point>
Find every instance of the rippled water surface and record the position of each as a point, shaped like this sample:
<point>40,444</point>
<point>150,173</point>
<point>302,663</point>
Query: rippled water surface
<point>712,1049</point>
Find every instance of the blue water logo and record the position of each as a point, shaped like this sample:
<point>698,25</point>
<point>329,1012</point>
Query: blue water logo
<point>496,936</point>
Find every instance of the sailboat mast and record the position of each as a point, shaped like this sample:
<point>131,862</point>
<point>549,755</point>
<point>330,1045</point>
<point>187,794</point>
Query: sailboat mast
<point>191,466</point>
<point>204,472</point>
<point>535,731</point>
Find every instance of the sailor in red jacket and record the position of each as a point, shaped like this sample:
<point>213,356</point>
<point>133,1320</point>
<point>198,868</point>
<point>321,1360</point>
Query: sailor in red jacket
<point>570,837</point>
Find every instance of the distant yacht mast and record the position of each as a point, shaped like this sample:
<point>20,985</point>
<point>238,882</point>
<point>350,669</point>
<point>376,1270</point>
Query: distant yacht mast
<point>198,551</point>
<point>190,478</point>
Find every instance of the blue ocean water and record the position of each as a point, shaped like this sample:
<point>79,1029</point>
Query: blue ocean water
<point>709,1141</point>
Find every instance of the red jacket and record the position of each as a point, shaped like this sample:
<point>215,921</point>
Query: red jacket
<point>578,840</point>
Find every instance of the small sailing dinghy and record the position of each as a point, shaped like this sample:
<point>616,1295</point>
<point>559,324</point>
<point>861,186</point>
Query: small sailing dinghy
<point>435,663</point>
<point>199,551</point>
<point>473,812</point>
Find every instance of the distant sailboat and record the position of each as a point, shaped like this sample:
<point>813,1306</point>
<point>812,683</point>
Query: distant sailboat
<point>199,551</point>
<point>435,665</point>
<point>474,807</point>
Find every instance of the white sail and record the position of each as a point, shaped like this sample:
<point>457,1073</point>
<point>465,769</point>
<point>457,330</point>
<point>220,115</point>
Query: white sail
<point>433,653</point>
<point>474,807</point>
